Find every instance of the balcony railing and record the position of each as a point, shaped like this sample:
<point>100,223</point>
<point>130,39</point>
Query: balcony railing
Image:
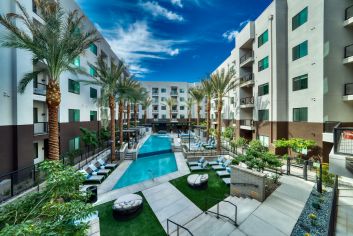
<point>174,93</point>
<point>247,78</point>
<point>174,111</point>
<point>40,128</point>
<point>329,126</point>
<point>247,101</point>
<point>248,122</point>
<point>155,111</point>
<point>348,51</point>
<point>349,12</point>
<point>343,140</point>
<point>246,57</point>
<point>348,89</point>
<point>40,89</point>
<point>155,93</point>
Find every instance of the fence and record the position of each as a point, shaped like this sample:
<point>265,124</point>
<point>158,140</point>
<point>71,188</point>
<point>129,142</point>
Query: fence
<point>343,140</point>
<point>245,57</point>
<point>333,209</point>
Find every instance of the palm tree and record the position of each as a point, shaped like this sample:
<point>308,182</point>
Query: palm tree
<point>108,78</point>
<point>198,95</point>
<point>189,104</point>
<point>138,96</point>
<point>171,102</point>
<point>55,43</point>
<point>222,82</point>
<point>208,91</point>
<point>146,102</point>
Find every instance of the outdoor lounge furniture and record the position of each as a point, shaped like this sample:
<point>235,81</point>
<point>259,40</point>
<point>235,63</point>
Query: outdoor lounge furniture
<point>127,206</point>
<point>195,163</point>
<point>219,161</point>
<point>98,171</point>
<point>226,181</point>
<point>222,166</point>
<point>224,173</point>
<point>202,166</point>
<point>92,178</point>
<point>107,165</point>
<point>197,181</point>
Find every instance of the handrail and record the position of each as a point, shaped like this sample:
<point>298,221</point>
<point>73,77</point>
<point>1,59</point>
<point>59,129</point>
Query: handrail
<point>217,213</point>
<point>247,101</point>
<point>178,226</point>
<point>332,219</point>
<point>246,56</point>
<point>246,78</point>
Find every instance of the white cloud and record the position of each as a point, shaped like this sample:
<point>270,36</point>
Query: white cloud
<point>158,11</point>
<point>230,35</point>
<point>137,43</point>
<point>244,23</point>
<point>177,3</point>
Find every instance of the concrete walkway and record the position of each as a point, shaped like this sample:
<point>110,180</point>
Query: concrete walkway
<point>344,223</point>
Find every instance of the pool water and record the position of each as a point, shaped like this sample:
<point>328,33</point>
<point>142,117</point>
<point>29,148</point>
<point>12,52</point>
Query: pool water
<point>148,165</point>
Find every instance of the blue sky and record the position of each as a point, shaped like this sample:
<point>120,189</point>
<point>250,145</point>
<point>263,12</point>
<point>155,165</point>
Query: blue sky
<point>171,40</point>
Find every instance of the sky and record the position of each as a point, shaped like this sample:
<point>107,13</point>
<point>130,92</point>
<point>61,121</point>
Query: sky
<point>171,40</point>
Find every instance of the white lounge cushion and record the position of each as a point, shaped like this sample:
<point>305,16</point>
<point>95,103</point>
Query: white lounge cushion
<point>127,202</point>
<point>196,179</point>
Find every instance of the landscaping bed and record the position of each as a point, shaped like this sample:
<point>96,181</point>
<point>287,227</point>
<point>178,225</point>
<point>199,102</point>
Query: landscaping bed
<point>315,217</point>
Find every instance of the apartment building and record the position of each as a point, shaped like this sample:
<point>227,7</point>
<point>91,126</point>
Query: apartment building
<point>294,68</point>
<point>23,119</point>
<point>161,91</point>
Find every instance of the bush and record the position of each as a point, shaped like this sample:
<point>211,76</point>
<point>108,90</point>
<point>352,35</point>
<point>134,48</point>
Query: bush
<point>328,179</point>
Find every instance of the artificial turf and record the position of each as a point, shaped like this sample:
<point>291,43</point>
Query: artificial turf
<point>216,189</point>
<point>146,223</point>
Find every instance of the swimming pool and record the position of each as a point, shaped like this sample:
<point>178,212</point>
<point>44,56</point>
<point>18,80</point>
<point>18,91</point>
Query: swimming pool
<point>150,166</point>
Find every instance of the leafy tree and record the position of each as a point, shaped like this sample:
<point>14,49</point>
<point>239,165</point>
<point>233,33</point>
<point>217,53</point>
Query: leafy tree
<point>55,43</point>
<point>89,137</point>
<point>54,211</point>
<point>228,133</point>
<point>297,145</point>
<point>241,142</point>
<point>197,94</point>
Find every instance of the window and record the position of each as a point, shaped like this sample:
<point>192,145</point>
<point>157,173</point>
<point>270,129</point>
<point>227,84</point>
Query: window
<point>155,116</point>
<point>74,115</point>
<point>74,144</point>
<point>163,90</point>
<point>182,116</point>
<point>262,39</point>
<point>264,140</point>
<point>182,99</point>
<point>182,108</point>
<point>300,50</point>
<point>93,115</point>
<point>263,115</point>
<point>74,86</point>
<point>300,114</point>
<point>92,71</point>
<point>300,82</point>
<point>93,48</point>
<point>181,90</point>
<point>163,108</point>
<point>35,150</point>
<point>92,93</point>
<point>263,64</point>
<point>77,62</point>
<point>164,116</point>
<point>300,18</point>
<point>154,90</point>
<point>263,89</point>
<point>163,99</point>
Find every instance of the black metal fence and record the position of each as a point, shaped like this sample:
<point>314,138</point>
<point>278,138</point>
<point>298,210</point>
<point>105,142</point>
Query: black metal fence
<point>246,57</point>
<point>246,78</point>
<point>343,140</point>
<point>333,209</point>
<point>247,101</point>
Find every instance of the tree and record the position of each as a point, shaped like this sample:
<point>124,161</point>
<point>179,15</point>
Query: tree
<point>56,210</point>
<point>197,94</point>
<point>171,102</point>
<point>55,43</point>
<point>146,102</point>
<point>89,137</point>
<point>208,91</point>
<point>137,96</point>
<point>189,104</point>
<point>108,78</point>
<point>222,82</point>
<point>297,145</point>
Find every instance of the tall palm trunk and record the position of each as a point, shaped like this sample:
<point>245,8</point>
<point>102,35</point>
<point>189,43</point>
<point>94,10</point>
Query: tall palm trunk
<point>198,114</point>
<point>208,118</point>
<point>112,124</point>
<point>189,117</point>
<point>135,114</point>
<point>145,116</point>
<point>128,113</point>
<point>53,99</point>
<point>219,125</point>
<point>121,111</point>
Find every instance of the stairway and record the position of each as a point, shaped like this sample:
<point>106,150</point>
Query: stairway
<point>129,156</point>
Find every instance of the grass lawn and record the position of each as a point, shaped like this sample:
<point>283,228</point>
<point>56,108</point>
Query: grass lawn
<point>216,189</point>
<point>146,223</point>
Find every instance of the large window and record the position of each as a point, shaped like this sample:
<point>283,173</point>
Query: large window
<point>263,64</point>
<point>300,82</point>
<point>263,89</point>
<point>74,86</point>
<point>93,115</point>
<point>163,99</point>
<point>163,108</point>
<point>300,18</point>
<point>182,99</point>
<point>92,71</point>
<point>163,90</point>
<point>35,150</point>
<point>92,93</point>
<point>262,39</point>
<point>300,50</point>
<point>300,114</point>
<point>74,144</point>
<point>182,108</point>
<point>263,115</point>
<point>93,48</point>
<point>74,115</point>
<point>182,90</point>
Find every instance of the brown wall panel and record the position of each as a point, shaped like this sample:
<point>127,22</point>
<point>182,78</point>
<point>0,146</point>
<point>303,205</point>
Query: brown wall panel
<point>7,149</point>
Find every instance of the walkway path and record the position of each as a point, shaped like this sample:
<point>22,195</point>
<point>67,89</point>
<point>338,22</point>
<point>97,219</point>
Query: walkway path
<point>344,223</point>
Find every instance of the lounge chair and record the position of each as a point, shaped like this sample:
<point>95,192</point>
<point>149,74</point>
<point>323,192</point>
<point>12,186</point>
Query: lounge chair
<point>219,161</point>
<point>98,171</point>
<point>197,181</point>
<point>226,181</point>
<point>92,178</point>
<point>195,163</point>
<point>202,166</point>
<point>224,173</point>
<point>222,166</point>
<point>107,165</point>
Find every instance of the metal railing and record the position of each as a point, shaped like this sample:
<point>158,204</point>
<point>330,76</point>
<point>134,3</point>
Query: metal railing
<point>247,78</point>
<point>218,215</point>
<point>333,209</point>
<point>248,122</point>
<point>343,140</point>
<point>247,101</point>
<point>40,128</point>
<point>348,89</point>
<point>174,93</point>
<point>349,12</point>
<point>348,51</point>
<point>177,229</point>
<point>247,56</point>
<point>39,89</point>
<point>329,126</point>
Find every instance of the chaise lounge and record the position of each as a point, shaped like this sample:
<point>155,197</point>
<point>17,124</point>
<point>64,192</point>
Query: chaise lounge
<point>202,166</point>
<point>223,166</point>
<point>195,163</point>
<point>92,179</point>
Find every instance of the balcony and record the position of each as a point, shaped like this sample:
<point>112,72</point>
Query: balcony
<point>247,80</point>
<point>247,59</point>
<point>348,54</point>
<point>174,111</point>
<point>39,89</point>
<point>348,17</point>
<point>40,128</point>
<point>155,102</point>
<point>155,94</point>
<point>155,111</point>
<point>174,93</point>
<point>247,102</point>
<point>348,92</point>
<point>247,124</point>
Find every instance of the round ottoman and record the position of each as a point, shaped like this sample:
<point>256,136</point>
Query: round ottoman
<point>127,206</point>
<point>198,181</point>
